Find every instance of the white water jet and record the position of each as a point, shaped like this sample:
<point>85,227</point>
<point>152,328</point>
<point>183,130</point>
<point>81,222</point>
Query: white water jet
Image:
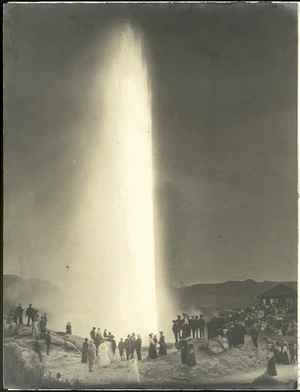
<point>112,271</point>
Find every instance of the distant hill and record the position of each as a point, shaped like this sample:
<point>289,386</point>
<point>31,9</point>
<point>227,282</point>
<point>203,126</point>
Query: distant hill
<point>42,294</point>
<point>227,295</point>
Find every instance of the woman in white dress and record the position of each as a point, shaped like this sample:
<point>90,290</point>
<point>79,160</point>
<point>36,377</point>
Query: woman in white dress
<point>103,354</point>
<point>133,372</point>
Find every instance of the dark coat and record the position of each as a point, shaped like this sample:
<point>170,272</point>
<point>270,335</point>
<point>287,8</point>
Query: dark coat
<point>162,346</point>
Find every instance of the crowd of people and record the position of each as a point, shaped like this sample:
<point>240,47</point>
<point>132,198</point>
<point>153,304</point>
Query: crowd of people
<point>232,325</point>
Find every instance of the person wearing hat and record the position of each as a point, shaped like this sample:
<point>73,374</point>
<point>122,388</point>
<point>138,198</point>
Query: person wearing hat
<point>69,328</point>
<point>84,354</point>
<point>271,367</point>
<point>91,354</point>
<point>121,347</point>
<point>19,314</point>
<point>285,360</point>
<point>29,313</point>
<point>48,341</point>
<point>191,360</point>
<point>183,346</point>
<point>93,333</point>
<point>138,347</point>
<point>127,347</point>
<point>175,330</point>
<point>254,335</point>
<point>162,344</point>
<point>152,350</point>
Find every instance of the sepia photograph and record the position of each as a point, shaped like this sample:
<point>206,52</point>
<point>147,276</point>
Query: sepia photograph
<point>150,195</point>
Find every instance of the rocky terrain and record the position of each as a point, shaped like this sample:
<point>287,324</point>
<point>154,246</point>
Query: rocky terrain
<point>216,365</point>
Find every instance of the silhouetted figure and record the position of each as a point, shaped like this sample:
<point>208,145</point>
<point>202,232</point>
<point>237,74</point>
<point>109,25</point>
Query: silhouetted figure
<point>68,328</point>
<point>292,353</point>
<point>271,368</point>
<point>277,353</point>
<point>48,341</point>
<point>30,314</point>
<point>37,349</point>
<point>121,347</point>
<point>175,330</point>
<point>152,347</point>
<point>285,360</point>
<point>155,340</point>
<point>196,328</point>
<point>93,333</point>
<point>128,347</point>
<point>19,314</point>
<point>183,346</point>
<point>43,326</point>
<point>162,344</point>
<point>105,334</point>
<point>138,347</point>
<point>229,336</point>
<point>191,360</point>
<point>84,354</point>
<point>91,355</point>
<point>97,342</point>
<point>179,323</point>
<point>132,345</point>
<point>254,336</point>
<point>201,324</point>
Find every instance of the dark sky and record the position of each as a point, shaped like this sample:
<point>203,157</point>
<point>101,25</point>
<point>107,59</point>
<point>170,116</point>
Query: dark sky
<point>224,83</point>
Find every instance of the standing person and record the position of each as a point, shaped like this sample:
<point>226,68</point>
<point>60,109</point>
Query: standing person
<point>35,329</point>
<point>162,344</point>
<point>254,335</point>
<point>121,347</point>
<point>285,360</point>
<point>103,353</point>
<point>93,333</point>
<point>69,328</point>
<point>128,347</point>
<point>242,332</point>
<point>155,340</point>
<point>43,326</point>
<point>19,314</point>
<point>201,324</point>
<point>138,347</point>
<point>292,353</point>
<point>183,346</point>
<point>209,330</point>
<point>185,327</point>
<point>84,354</point>
<point>152,349</point>
<point>132,338</point>
<point>37,348</point>
<point>175,330</point>
<point>133,372</point>
<point>29,313</point>
<point>277,353</point>
<point>48,341</point>
<point>179,323</point>
<point>191,360</point>
<point>229,336</point>
<point>105,333</point>
<point>91,354</point>
<point>196,327</point>
<point>192,324</point>
<point>97,342</point>
<point>271,367</point>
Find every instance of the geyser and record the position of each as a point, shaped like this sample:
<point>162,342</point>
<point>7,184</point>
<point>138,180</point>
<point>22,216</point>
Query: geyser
<point>112,272</point>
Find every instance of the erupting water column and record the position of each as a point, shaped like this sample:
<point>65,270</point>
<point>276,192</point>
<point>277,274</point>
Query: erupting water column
<point>114,230</point>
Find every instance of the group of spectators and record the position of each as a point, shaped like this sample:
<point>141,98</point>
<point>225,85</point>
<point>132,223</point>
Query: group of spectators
<point>186,326</point>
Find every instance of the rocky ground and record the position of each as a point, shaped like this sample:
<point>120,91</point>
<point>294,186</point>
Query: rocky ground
<point>239,366</point>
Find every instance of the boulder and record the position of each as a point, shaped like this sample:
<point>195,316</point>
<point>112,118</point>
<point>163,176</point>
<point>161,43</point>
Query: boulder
<point>25,331</point>
<point>223,342</point>
<point>76,340</point>
<point>215,347</point>
<point>57,340</point>
<point>70,346</point>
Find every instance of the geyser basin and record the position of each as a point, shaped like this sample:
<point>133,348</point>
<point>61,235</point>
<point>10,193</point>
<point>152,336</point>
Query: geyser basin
<point>114,253</point>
